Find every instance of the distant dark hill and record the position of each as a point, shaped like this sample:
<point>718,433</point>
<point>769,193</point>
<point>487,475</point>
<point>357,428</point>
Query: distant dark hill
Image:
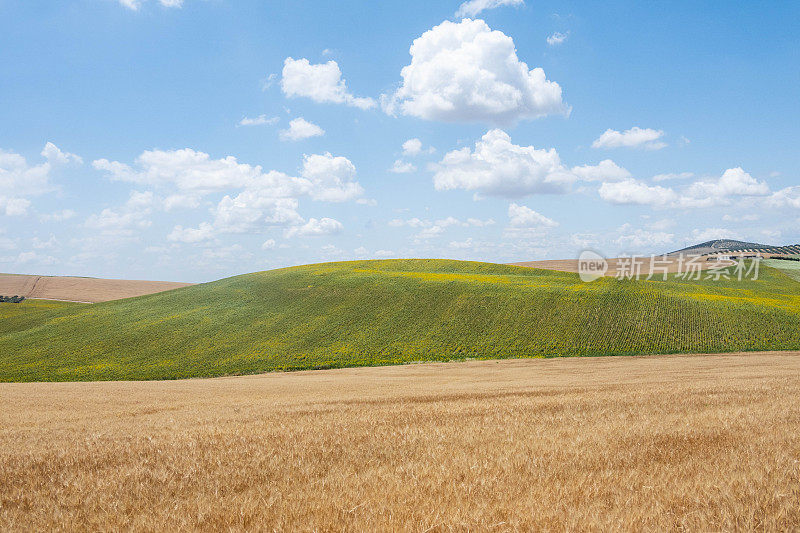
<point>729,245</point>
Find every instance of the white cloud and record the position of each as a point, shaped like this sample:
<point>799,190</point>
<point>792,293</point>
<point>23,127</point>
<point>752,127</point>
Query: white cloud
<point>181,201</point>
<point>195,174</point>
<point>633,138</point>
<point>33,257</point>
<point>191,235</point>
<point>49,244</point>
<point>264,199</point>
<point>771,234</point>
<point>474,7</point>
<point>269,244</point>
<point>584,240</point>
<point>787,197</point>
<point>332,253</point>
<point>437,227</point>
<point>498,167</point>
<point>639,238</point>
<point>478,223</point>
<point>251,209</point>
<point>186,169</point>
<point>131,4</point>
<point>134,5</point>
<point>332,178</point>
<point>18,178</point>
<point>661,224</point>
<point>734,182</point>
<point>300,129</point>
<point>557,38</point>
<point>53,153</point>
<point>521,216</point>
<point>606,170</point>
<point>465,72</point>
<point>258,121</point>
<point>234,253</point>
<point>322,83</point>
<point>58,216</point>
<point>14,206</point>
<point>6,244</point>
<point>26,257</point>
<point>315,228</point>
<point>751,217</point>
<point>132,216</point>
<point>462,245</point>
<point>267,82</point>
<point>402,167</point>
<point>631,191</point>
<point>412,147</point>
<point>431,232</point>
<point>711,234</point>
<point>673,176</point>
<point>412,223</point>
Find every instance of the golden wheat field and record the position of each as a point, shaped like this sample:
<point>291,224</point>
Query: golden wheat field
<point>636,443</point>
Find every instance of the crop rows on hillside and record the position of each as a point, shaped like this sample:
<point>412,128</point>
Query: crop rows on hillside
<point>387,312</point>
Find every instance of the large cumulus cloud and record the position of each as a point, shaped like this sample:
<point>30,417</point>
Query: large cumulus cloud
<point>467,72</point>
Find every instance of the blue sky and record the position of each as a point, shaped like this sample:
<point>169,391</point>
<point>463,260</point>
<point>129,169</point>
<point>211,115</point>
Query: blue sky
<point>160,139</point>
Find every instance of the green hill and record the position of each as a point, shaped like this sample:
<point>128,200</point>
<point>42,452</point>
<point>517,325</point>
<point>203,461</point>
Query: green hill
<point>790,268</point>
<point>387,312</point>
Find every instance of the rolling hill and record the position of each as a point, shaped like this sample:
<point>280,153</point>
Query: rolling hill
<point>388,312</point>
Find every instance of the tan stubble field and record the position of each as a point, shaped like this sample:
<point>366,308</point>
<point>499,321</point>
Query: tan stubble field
<point>696,442</point>
<point>76,289</point>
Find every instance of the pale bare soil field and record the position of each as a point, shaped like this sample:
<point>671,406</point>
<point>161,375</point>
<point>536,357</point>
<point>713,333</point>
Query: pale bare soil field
<point>75,289</point>
<point>633,443</point>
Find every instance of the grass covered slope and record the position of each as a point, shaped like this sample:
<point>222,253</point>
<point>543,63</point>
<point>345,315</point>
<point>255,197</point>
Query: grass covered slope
<point>790,268</point>
<point>385,312</point>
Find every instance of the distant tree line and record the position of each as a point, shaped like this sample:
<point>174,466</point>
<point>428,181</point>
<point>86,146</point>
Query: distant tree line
<point>784,258</point>
<point>12,299</point>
